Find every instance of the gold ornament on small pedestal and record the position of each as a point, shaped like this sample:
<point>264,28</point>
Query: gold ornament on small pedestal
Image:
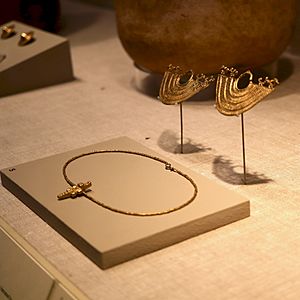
<point>178,86</point>
<point>234,101</point>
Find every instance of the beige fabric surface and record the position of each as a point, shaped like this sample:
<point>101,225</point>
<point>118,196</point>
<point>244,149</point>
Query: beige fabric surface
<point>256,258</point>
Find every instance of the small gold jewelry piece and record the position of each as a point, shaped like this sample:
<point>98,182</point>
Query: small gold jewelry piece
<point>178,86</point>
<point>233,101</point>
<point>78,189</point>
<point>8,31</point>
<point>75,190</point>
<point>26,38</point>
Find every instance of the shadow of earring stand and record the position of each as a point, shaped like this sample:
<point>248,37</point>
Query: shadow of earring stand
<point>169,142</point>
<point>225,170</point>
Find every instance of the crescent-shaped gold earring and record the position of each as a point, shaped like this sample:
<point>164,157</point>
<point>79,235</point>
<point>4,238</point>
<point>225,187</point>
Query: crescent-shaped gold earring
<point>234,101</point>
<point>178,86</point>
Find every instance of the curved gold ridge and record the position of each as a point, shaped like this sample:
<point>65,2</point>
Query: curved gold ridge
<point>173,90</point>
<point>233,101</point>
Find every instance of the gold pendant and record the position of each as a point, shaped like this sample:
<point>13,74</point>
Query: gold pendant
<point>74,191</point>
<point>232,100</point>
<point>178,86</point>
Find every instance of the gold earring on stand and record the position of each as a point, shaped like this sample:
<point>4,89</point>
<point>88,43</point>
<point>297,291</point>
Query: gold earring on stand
<point>26,38</point>
<point>178,86</point>
<point>8,31</point>
<point>234,101</point>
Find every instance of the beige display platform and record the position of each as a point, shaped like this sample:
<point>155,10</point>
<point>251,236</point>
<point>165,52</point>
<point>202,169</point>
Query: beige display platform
<point>44,62</point>
<point>127,182</point>
<point>22,266</point>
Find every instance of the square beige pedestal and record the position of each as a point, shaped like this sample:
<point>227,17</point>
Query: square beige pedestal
<point>43,62</point>
<point>130,183</point>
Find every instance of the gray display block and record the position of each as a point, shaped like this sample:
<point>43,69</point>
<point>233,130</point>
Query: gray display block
<point>19,273</point>
<point>126,182</point>
<point>45,61</point>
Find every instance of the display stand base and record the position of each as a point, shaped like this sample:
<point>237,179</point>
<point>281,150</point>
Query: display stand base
<point>128,182</point>
<point>44,62</point>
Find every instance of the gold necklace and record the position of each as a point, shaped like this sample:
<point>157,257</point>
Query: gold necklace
<point>83,188</point>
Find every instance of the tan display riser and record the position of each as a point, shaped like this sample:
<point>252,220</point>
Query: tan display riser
<point>43,62</point>
<point>127,182</point>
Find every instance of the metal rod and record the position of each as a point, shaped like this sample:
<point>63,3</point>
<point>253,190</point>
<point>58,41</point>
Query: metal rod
<point>244,151</point>
<point>181,128</point>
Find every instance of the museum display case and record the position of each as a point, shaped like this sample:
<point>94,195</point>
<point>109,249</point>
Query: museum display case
<point>98,202</point>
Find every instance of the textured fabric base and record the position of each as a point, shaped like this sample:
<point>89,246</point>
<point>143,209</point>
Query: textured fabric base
<point>257,257</point>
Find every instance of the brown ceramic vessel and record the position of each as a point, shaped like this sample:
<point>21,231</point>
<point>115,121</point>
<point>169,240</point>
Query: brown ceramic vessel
<point>203,35</point>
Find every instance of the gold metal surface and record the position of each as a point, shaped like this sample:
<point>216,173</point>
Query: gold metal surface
<point>8,31</point>
<point>232,100</point>
<point>79,190</point>
<point>75,190</point>
<point>26,38</point>
<point>178,86</point>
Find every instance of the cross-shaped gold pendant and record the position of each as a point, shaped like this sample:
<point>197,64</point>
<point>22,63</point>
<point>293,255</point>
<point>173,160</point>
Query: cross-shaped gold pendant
<point>74,191</point>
